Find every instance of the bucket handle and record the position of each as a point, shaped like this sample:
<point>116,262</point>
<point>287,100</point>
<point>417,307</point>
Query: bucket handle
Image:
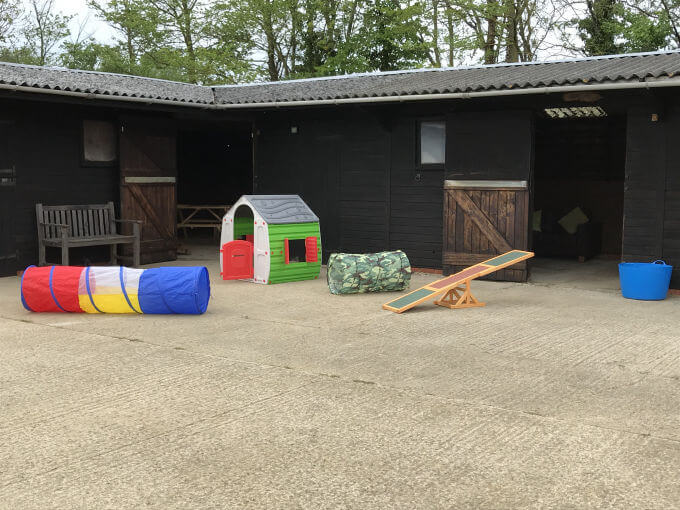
<point>659,262</point>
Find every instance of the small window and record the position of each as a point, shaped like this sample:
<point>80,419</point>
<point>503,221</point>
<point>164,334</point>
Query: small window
<point>296,250</point>
<point>99,142</point>
<point>432,142</point>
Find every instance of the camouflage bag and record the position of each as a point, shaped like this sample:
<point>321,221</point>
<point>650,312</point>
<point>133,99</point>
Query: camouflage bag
<point>351,273</point>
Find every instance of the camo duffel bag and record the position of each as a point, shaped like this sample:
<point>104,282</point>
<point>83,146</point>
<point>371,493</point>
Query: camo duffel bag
<point>352,273</point>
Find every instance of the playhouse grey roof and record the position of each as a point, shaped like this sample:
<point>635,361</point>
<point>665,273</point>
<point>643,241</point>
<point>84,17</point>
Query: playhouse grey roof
<point>613,69</point>
<point>278,209</point>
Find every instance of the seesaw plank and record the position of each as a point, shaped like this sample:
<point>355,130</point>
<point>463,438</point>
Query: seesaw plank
<point>458,277</point>
<point>411,298</point>
<point>443,285</point>
<point>505,258</point>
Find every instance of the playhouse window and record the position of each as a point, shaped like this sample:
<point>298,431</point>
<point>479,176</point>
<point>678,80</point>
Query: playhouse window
<point>432,142</point>
<point>301,250</point>
<point>296,250</point>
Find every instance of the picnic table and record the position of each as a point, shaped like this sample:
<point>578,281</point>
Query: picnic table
<point>200,216</point>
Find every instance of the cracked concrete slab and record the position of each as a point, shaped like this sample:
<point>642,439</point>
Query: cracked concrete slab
<point>551,396</point>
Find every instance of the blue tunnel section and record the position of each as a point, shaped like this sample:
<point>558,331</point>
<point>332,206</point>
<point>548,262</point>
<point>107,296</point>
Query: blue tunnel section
<point>165,290</point>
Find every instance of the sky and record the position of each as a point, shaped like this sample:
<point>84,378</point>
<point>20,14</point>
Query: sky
<point>93,27</point>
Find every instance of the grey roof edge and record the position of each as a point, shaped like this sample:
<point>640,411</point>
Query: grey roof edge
<point>490,79</point>
<point>454,68</point>
<point>282,209</point>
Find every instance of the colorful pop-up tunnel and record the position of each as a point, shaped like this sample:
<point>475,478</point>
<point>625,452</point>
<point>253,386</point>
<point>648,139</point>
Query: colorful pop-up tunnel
<point>158,290</point>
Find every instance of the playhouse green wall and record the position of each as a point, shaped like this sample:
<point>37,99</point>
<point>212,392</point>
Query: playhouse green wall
<point>243,226</point>
<point>279,271</point>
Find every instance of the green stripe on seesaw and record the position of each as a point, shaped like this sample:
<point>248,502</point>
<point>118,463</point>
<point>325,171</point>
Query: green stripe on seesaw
<point>410,298</point>
<point>502,259</point>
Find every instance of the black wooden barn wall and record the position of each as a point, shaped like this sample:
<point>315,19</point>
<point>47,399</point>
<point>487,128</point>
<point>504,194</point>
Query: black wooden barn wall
<point>357,169</point>
<point>651,222</point>
<point>489,145</point>
<point>46,156</point>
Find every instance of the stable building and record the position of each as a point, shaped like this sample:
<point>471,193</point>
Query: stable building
<point>572,158</point>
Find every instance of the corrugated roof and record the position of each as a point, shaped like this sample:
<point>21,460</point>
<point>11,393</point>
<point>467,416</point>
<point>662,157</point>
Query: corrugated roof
<point>610,69</point>
<point>110,84</point>
<point>278,209</point>
<point>613,69</point>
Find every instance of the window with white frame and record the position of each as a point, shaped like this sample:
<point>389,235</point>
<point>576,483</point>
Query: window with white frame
<point>99,142</point>
<point>432,142</point>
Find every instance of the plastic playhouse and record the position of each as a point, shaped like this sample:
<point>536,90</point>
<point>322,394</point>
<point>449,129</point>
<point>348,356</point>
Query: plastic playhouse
<point>270,239</point>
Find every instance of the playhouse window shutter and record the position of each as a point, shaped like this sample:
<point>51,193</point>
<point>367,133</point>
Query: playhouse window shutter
<point>311,251</point>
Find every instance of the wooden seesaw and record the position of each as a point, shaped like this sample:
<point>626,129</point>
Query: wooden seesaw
<point>454,291</point>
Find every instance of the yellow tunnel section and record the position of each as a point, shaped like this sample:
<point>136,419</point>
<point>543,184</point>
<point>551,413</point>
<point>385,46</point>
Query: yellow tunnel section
<point>109,290</point>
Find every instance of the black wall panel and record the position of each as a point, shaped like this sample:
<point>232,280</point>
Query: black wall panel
<point>416,202</point>
<point>357,170</point>
<point>47,158</point>
<point>651,223</point>
<point>489,145</point>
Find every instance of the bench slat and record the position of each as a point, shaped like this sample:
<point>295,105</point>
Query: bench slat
<point>83,221</point>
<point>100,220</point>
<point>88,225</point>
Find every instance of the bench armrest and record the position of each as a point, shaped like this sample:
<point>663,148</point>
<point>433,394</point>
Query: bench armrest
<point>136,227</point>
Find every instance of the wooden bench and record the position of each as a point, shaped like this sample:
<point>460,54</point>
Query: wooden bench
<point>71,226</point>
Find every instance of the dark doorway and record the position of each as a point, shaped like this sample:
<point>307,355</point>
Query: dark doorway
<point>578,185</point>
<point>215,167</point>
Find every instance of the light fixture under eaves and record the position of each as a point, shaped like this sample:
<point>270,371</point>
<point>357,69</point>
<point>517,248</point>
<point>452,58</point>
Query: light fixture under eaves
<point>575,112</point>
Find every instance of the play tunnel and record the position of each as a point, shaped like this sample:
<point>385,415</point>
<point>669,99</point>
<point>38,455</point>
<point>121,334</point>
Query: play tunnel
<point>158,290</point>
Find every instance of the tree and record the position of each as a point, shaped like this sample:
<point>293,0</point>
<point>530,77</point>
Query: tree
<point>10,13</point>
<point>600,27</point>
<point>183,23</point>
<point>607,27</point>
<point>390,36</point>
<point>137,25</point>
<point>44,30</point>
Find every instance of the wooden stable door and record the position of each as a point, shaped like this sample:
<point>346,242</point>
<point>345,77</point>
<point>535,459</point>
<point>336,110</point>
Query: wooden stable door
<point>148,167</point>
<point>482,219</point>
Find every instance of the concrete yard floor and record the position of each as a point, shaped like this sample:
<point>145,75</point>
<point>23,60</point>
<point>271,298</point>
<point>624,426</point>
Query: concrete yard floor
<point>284,396</point>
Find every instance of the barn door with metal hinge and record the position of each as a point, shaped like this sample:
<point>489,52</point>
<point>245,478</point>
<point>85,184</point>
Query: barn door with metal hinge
<point>482,219</point>
<point>148,168</point>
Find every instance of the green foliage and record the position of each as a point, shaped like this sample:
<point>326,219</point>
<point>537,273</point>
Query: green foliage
<point>44,30</point>
<point>10,12</point>
<point>642,33</point>
<point>232,41</point>
<point>601,27</point>
<point>611,26</point>
<point>390,36</point>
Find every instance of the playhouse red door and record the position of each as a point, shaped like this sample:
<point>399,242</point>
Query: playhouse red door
<point>237,260</point>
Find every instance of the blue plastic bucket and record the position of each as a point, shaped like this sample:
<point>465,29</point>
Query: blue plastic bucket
<point>648,282</point>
